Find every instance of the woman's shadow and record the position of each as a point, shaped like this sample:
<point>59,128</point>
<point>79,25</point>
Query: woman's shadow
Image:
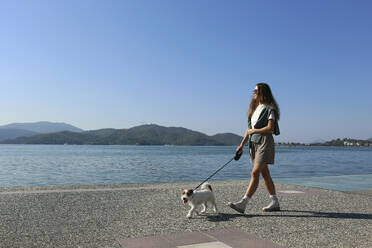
<point>293,214</point>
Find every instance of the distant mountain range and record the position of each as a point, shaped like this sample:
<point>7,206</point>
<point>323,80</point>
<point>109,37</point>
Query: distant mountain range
<point>43,127</point>
<point>15,130</point>
<point>140,135</point>
<point>63,133</point>
<point>10,133</point>
<point>318,141</point>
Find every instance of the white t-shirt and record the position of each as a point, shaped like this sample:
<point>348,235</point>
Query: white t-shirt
<point>256,114</point>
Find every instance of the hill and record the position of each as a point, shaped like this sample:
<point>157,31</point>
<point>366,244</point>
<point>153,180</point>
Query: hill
<point>42,127</point>
<point>140,135</point>
<point>14,133</point>
<point>229,138</point>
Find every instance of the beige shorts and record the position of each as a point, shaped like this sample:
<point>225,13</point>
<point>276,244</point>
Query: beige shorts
<point>264,152</point>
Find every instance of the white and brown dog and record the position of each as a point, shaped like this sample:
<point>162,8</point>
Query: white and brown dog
<point>197,198</point>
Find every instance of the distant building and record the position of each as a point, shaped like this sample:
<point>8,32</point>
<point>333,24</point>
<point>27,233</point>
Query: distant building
<point>348,143</point>
<point>357,143</point>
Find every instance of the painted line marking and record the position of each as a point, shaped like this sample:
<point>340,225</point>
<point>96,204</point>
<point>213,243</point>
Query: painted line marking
<point>206,245</point>
<point>291,192</point>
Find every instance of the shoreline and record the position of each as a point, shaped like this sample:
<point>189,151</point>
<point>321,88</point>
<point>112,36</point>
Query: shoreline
<point>122,186</point>
<point>111,186</point>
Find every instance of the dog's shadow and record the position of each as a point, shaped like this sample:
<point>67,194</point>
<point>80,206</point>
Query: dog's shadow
<point>291,214</point>
<point>224,217</point>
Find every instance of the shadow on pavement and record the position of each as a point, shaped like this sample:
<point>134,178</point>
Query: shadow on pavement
<point>292,214</point>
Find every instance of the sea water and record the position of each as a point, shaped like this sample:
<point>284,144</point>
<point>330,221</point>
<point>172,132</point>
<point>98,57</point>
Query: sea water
<point>46,165</point>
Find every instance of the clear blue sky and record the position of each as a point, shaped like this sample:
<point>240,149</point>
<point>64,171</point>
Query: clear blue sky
<point>118,64</point>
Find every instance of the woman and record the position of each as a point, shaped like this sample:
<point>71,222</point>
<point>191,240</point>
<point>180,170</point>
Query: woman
<point>263,116</point>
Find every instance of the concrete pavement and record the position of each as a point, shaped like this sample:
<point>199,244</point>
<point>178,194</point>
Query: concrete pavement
<point>113,215</point>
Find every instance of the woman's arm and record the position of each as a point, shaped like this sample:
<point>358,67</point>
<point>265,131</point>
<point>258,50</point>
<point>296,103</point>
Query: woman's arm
<point>244,140</point>
<point>268,129</point>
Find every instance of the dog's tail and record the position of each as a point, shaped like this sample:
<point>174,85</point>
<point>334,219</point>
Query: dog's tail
<point>206,186</point>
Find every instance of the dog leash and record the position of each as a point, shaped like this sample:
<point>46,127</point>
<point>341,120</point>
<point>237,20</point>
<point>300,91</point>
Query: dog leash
<point>237,156</point>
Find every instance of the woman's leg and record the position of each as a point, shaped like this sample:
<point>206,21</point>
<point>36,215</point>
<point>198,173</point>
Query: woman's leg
<point>274,204</point>
<point>268,180</point>
<point>255,179</point>
<point>253,184</point>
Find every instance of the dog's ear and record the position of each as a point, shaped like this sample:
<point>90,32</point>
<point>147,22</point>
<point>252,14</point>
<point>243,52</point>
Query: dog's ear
<point>182,192</point>
<point>190,192</point>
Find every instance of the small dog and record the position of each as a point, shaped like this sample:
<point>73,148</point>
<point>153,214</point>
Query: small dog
<point>200,197</point>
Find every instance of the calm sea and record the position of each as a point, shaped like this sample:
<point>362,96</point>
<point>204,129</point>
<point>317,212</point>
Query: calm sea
<point>42,165</point>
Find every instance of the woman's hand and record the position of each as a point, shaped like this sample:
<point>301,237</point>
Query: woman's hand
<point>240,148</point>
<point>246,134</point>
<point>251,131</point>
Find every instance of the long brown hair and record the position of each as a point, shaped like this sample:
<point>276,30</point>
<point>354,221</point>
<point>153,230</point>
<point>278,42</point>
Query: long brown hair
<point>264,96</point>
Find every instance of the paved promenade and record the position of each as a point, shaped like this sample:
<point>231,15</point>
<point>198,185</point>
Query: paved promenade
<point>152,215</point>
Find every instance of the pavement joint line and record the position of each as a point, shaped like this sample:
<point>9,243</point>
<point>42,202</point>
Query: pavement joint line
<point>47,191</point>
<point>103,189</point>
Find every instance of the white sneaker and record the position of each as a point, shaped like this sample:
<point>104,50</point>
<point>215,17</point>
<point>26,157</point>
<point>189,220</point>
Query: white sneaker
<point>238,206</point>
<point>273,206</point>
